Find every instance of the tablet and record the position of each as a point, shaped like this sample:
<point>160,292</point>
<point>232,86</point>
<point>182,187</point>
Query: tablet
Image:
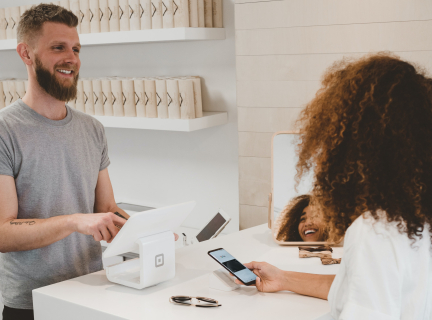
<point>214,226</point>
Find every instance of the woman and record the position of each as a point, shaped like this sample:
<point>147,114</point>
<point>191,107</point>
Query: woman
<point>300,222</point>
<point>368,136</point>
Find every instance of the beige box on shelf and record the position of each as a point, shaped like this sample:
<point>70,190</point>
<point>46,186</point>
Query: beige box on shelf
<point>181,14</point>
<point>197,97</point>
<point>173,100</point>
<point>140,98</point>
<point>20,89</point>
<point>124,15</point>
<point>79,102</point>
<point>105,13</point>
<point>3,24</point>
<point>168,13</point>
<point>208,13</point>
<point>161,98</point>
<point>187,107</point>
<point>129,97</point>
<point>98,97</point>
<point>11,93</point>
<point>71,103</point>
<point>2,96</point>
<point>116,89</point>
<point>95,16</point>
<point>22,9</point>
<point>114,20</point>
<point>201,14</point>
<point>150,93</point>
<point>145,14</point>
<point>84,16</point>
<point>15,18</point>
<point>217,14</point>
<point>107,97</point>
<point>134,15</point>
<point>88,96</point>
<point>8,17</point>
<point>75,8</point>
<point>157,22</point>
<point>193,13</point>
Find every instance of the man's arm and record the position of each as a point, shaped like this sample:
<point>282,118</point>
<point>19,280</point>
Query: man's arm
<point>104,198</point>
<point>28,234</point>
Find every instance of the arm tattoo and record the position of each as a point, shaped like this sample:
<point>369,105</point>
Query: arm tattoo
<point>19,223</point>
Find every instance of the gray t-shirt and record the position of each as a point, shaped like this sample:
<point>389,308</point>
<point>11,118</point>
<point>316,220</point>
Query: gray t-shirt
<point>55,165</point>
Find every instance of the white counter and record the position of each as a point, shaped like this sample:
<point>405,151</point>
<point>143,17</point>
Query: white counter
<point>94,297</point>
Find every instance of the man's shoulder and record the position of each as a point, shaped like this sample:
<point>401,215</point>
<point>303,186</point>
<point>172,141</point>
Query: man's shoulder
<point>11,111</point>
<point>86,119</point>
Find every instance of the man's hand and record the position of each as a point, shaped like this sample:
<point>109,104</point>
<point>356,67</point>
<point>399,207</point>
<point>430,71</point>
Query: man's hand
<point>102,226</point>
<point>269,278</point>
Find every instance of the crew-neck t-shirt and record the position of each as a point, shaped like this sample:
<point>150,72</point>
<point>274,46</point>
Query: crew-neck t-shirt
<point>55,164</point>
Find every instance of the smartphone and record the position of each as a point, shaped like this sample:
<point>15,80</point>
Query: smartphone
<point>233,265</point>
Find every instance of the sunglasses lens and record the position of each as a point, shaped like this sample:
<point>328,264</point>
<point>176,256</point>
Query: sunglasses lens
<point>207,300</point>
<point>180,298</point>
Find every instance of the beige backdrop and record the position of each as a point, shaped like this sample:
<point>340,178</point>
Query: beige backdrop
<point>282,49</point>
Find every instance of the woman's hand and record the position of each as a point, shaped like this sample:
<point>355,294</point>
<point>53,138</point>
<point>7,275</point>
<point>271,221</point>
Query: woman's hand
<point>269,278</point>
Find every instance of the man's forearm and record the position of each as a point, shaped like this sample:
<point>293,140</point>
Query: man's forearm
<point>308,284</point>
<point>29,234</point>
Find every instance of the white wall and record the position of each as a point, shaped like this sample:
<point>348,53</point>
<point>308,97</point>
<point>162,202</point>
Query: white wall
<point>283,48</point>
<point>163,168</point>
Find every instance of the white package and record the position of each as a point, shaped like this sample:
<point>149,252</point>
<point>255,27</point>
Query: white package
<point>145,14</point>
<point>116,89</point>
<point>140,97</point>
<point>107,97</point>
<point>173,101</point>
<point>98,97</point>
<point>114,21</point>
<point>150,93</point>
<point>124,15</point>
<point>129,97</point>
<point>161,98</point>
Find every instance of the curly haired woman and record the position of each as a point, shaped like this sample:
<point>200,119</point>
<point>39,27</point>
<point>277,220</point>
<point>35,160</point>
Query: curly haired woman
<point>299,221</point>
<point>368,137</point>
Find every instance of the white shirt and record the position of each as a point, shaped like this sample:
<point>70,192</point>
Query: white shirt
<point>383,274</point>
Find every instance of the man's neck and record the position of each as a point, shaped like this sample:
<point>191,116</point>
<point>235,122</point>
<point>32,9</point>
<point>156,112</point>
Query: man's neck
<point>44,104</point>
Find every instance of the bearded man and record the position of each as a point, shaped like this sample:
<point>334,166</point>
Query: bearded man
<point>56,198</point>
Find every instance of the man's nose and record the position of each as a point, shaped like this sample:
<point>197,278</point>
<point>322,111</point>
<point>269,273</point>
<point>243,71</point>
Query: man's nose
<point>71,57</point>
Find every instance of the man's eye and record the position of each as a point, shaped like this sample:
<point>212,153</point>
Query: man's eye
<point>58,48</point>
<point>76,50</point>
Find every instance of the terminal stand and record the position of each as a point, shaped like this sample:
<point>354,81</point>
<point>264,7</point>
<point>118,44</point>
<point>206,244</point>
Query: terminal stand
<point>156,263</point>
<point>221,280</point>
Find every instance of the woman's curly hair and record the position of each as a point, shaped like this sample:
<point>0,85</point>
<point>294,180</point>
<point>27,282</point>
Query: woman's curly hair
<point>368,137</point>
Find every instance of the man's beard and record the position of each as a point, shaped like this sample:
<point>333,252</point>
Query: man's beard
<point>52,86</point>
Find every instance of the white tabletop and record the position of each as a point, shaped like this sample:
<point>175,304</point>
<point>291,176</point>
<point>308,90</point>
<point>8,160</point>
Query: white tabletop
<point>94,297</point>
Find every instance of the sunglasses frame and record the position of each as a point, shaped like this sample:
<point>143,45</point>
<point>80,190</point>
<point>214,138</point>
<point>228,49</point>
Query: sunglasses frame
<point>181,300</point>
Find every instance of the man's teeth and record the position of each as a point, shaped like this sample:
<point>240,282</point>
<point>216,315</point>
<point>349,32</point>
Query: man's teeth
<point>309,231</point>
<point>65,71</point>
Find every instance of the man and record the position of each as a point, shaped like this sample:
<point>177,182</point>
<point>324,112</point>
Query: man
<point>53,169</point>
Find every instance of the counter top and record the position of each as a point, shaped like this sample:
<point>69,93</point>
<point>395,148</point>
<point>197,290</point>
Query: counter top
<point>94,297</point>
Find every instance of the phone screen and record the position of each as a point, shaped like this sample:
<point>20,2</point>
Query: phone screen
<point>234,266</point>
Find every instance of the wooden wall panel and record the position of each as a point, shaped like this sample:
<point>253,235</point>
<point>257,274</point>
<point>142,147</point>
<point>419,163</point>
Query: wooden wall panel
<point>308,67</point>
<point>267,119</point>
<point>251,216</point>
<point>275,94</point>
<point>393,36</point>
<point>296,13</point>
<point>255,144</point>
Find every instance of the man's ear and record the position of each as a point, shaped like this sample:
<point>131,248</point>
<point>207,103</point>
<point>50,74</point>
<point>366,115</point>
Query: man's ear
<point>23,50</point>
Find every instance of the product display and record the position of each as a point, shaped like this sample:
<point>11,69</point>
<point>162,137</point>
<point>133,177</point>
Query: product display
<point>95,16</point>
<point>159,97</point>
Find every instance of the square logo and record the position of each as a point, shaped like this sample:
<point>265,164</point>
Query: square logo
<point>159,260</point>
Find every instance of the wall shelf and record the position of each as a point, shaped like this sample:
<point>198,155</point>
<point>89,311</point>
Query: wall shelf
<point>139,36</point>
<point>209,119</point>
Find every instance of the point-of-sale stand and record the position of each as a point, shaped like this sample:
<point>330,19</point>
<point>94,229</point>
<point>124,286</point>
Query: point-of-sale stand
<point>151,232</point>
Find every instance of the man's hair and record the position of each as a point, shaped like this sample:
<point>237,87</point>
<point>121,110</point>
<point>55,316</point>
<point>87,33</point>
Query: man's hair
<point>32,20</point>
<point>367,135</point>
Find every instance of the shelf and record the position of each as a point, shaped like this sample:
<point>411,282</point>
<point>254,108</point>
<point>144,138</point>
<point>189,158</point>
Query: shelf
<point>210,119</point>
<point>139,36</point>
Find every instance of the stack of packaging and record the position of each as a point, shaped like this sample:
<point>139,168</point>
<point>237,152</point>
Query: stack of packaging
<point>11,90</point>
<point>124,15</point>
<point>164,98</point>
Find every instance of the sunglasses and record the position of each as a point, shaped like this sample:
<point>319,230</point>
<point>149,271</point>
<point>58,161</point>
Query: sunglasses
<point>194,301</point>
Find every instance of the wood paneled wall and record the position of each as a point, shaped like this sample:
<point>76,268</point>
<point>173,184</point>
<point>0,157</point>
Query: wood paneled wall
<point>283,48</point>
